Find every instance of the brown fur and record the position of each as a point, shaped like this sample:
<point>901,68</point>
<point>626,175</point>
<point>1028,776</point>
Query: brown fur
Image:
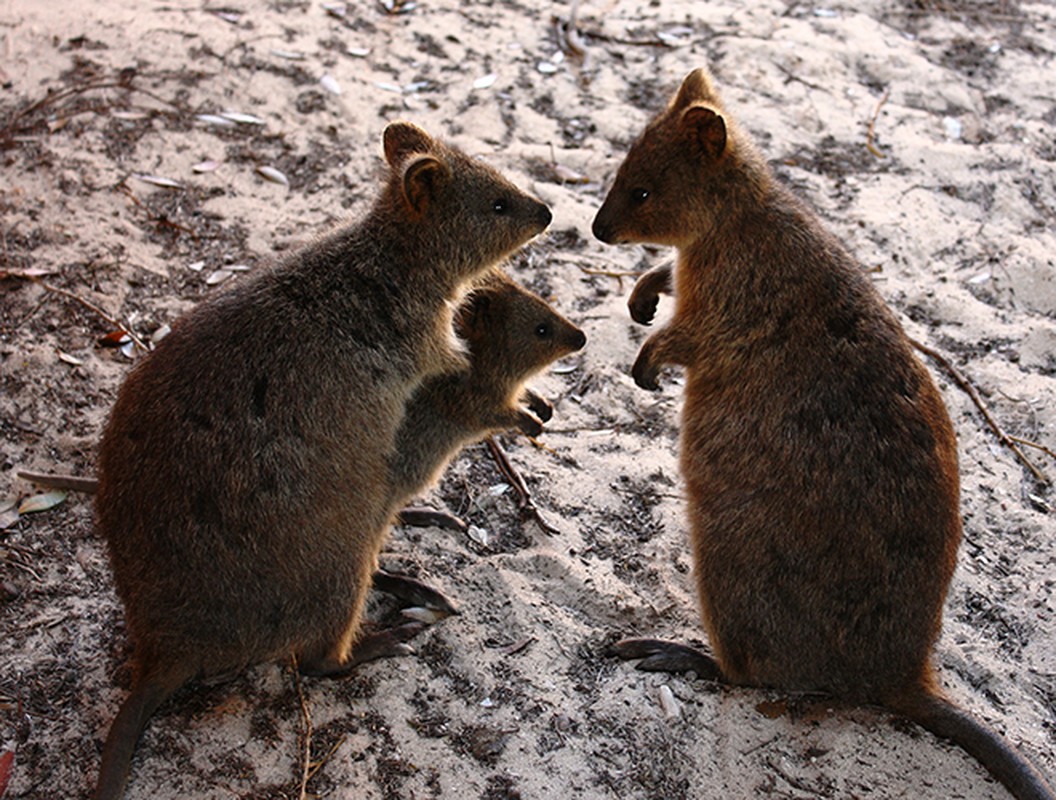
<point>243,474</point>
<point>511,334</point>
<point>820,463</point>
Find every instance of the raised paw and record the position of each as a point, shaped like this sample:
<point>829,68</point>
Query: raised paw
<point>644,372</point>
<point>659,655</point>
<point>528,424</point>
<point>643,307</point>
<point>539,405</point>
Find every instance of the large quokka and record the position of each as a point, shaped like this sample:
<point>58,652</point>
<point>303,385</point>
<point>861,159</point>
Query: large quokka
<point>511,335</point>
<point>820,463</point>
<point>244,483</point>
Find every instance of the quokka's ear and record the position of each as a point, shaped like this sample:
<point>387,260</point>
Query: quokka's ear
<point>472,315</point>
<point>696,87</point>
<point>401,139</point>
<point>706,130</point>
<point>423,177</point>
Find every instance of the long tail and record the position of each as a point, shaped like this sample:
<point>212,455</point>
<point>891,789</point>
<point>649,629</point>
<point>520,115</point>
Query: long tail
<point>1004,762</point>
<point>141,703</point>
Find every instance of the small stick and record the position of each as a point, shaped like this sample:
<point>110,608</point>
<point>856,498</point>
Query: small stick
<point>306,715</point>
<point>966,386</point>
<point>90,306</point>
<point>525,504</point>
<point>872,126</point>
<point>1028,443</point>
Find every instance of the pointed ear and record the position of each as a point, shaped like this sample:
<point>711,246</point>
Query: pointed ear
<point>403,138</point>
<point>696,87</point>
<point>706,130</point>
<point>473,312</point>
<point>422,179</point>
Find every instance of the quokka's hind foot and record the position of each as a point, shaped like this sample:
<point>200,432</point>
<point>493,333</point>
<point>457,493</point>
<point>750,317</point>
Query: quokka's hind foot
<point>431,518</point>
<point>659,655</point>
<point>379,644</point>
<point>414,592</point>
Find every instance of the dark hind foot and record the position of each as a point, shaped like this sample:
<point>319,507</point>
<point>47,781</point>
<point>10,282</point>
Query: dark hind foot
<point>658,655</point>
<point>380,644</point>
<point>413,591</point>
<point>430,518</point>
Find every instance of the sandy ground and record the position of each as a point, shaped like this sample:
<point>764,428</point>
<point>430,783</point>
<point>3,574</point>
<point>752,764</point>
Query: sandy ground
<point>953,215</point>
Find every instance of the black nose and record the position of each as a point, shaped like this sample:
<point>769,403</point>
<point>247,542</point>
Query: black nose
<point>579,340</point>
<point>544,216</point>
<point>602,232</point>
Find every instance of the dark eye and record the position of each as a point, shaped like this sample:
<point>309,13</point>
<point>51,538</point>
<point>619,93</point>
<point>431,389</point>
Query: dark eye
<point>542,330</point>
<point>500,206</point>
<point>639,196</point>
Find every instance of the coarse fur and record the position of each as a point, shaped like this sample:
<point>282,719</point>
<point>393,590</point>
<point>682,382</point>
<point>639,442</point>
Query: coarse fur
<point>510,334</point>
<point>243,473</point>
<point>819,460</point>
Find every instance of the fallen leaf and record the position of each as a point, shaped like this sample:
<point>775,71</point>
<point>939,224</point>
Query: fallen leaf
<point>772,709</point>
<point>158,180</point>
<point>218,276</point>
<point>206,166</point>
<point>7,760</point>
<point>242,119</point>
<point>358,52</point>
<point>67,358</point>
<point>116,338</point>
<point>214,119</point>
<point>41,502</point>
<point>273,175</point>
<point>485,81</point>
<point>289,55</point>
<point>329,82</point>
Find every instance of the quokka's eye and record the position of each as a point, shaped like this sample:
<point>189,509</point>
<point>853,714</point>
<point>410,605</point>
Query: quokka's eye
<point>542,330</point>
<point>639,196</point>
<point>500,206</point>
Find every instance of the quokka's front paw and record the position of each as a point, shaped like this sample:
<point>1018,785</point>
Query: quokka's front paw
<point>529,425</point>
<point>644,372</point>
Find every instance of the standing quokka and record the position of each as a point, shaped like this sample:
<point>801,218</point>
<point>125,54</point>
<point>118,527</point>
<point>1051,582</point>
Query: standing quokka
<point>820,463</point>
<point>511,334</point>
<point>244,483</point>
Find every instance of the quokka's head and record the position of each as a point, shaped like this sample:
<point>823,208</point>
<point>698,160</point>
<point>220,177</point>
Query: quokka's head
<point>465,208</point>
<point>665,187</point>
<point>511,332</point>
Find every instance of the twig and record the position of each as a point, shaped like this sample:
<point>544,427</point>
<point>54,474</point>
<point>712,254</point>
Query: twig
<point>871,135</point>
<point>793,77</point>
<point>525,504</point>
<point>87,304</point>
<point>966,386</point>
<point>1028,443</point>
<point>306,715</point>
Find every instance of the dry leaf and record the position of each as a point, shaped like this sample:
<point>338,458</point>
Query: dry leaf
<point>158,180</point>
<point>772,709</point>
<point>289,55</point>
<point>116,338</point>
<point>206,166</point>
<point>358,52</point>
<point>486,81</point>
<point>66,357</point>
<point>329,82</point>
<point>218,276</point>
<point>41,502</point>
<point>213,119</point>
<point>273,175</point>
<point>242,119</point>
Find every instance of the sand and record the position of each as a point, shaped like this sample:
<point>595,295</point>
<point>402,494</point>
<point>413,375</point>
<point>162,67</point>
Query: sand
<point>922,133</point>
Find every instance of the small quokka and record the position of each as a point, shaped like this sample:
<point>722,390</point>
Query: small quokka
<point>511,334</point>
<point>244,480</point>
<point>819,460</point>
